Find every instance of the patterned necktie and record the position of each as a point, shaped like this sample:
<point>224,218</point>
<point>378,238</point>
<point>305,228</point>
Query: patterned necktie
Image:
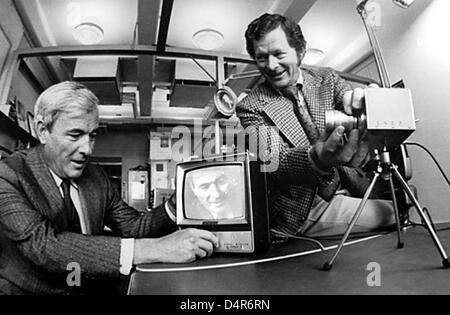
<point>302,113</point>
<point>326,191</point>
<point>71,212</point>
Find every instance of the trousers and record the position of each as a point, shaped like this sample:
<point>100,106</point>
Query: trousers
<point>332,218</point>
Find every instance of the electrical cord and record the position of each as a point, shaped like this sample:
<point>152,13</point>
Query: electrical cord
<point>440,170</point>
<point>8,151</point>
<point>432,157</point>
<point>355,235</point>
<point>430,218</point>
<point>414,224</point>
<point>282,234</point>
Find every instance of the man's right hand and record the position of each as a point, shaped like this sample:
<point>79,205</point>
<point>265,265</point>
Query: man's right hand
<point>182,246</point>
<point>331,150</point>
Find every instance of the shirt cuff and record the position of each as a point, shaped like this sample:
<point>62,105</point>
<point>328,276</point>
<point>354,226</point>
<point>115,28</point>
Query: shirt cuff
<point>126,255</point>
<point>169,212</point>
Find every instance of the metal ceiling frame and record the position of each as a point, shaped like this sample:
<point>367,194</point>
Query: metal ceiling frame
<point>147,25</point>
<point>12,65</point>
<point>166,13</point>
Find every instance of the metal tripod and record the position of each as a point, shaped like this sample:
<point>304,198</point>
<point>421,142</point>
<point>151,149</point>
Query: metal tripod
<point>385,169</point>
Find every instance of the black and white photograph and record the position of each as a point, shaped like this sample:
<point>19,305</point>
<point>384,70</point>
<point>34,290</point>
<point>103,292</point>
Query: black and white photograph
<point>229,155</point>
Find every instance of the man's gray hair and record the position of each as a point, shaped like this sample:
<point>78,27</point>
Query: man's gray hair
<point>60,98</point>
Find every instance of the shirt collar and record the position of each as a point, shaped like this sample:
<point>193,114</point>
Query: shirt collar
<point>59,180</point>
<point>300,79</point>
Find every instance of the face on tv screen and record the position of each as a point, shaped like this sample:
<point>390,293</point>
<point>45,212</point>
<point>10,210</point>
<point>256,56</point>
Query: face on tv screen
<point>215,193</point>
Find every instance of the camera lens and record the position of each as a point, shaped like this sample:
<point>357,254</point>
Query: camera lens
<point>335,118</point>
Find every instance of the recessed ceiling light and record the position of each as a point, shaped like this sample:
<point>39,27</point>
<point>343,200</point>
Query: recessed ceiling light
<point>403,3</point>
<point>208,39</point>
<point>88,33</point>
<point>313,56</point>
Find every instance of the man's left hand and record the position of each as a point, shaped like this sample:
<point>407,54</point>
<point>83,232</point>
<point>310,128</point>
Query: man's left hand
<point>354,105</point>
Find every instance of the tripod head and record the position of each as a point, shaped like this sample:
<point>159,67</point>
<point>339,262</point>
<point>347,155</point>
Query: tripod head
<point>397,155</point>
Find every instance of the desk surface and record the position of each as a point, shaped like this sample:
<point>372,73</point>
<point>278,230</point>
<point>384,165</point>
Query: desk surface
<point>415,269</point>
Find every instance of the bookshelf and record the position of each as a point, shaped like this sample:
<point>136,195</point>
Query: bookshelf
<point>7,125</point>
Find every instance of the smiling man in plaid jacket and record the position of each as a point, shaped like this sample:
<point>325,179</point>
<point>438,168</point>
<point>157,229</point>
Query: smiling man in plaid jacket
<point>316,187</point>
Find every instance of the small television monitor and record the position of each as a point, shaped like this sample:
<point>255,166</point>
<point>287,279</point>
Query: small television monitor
<point>228,196</point>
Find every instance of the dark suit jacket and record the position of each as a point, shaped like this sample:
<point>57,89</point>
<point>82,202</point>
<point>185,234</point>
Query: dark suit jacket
<point>294,184</point>
<point>35,245</point>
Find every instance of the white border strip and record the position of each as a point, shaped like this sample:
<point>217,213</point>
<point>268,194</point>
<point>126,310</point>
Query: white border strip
<point>143,269</point>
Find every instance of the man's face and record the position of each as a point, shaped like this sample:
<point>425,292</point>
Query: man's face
<point>70,142</point>
<point>276,60</point>
<point>211,189</point>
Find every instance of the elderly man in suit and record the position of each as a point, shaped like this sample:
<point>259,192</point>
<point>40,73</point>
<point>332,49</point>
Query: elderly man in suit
<point>54,206</point>
<point>316,187</point>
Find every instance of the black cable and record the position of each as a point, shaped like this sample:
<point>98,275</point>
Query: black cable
<point>355,235</point>
<point>414,224</point>
<point>5,149</point>
<point>425,210</point>
<point>299,238</point>
<point>432,157</point>
<point>440,170</point>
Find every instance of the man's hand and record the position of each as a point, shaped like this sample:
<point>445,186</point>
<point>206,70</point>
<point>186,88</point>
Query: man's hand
<point>332,150</point>
<point>353,101</point>
<point>182,246</point>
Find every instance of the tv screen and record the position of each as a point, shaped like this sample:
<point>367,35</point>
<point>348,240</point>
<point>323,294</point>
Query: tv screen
<point>225,195</point>
<point>215,193</point>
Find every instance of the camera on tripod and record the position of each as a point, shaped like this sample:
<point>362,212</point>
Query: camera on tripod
<point>387,119</point>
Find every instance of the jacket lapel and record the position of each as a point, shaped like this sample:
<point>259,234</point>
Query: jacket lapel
<point>91,203</point>
<point>280,111</point>
<point>52,205</point>
<point>311,92</point>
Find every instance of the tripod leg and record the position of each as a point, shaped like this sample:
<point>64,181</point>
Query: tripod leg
<point>327,266</point>
<point>445,261</point>
<point>397,218</point>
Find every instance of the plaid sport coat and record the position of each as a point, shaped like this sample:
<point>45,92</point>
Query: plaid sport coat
<point>294,184</point>
<point>35,245</point>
